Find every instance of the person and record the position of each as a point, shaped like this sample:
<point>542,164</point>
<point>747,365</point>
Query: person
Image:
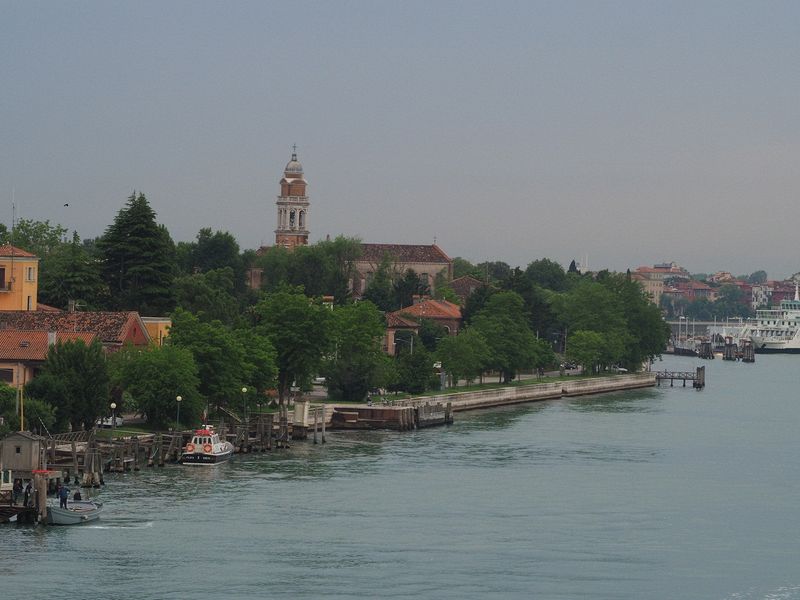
<point>17,489</point>
<point>77,496</point>
<point>26,498</point>
<point>63,495</point>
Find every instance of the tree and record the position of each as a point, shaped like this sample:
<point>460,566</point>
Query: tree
<point>69,273</point>
<point>75,380</point>
<point>357,365</point>
<point>547,274</point>
<point>299,330</point>
<point>379,290</point>
<point>502,323</point>
<point>495,271</point>
<point>38,415</point>
<point>414,368</point>
<point>219,355</point>
<point>431,333</point>
<point>757,277</point>
<point>407,287</point>
<point>464,356</point>
<point>37,237</point>
<point>209,295</point>
<point>139,261</point>
<point>475,302</point>
<point>462,267</point>
<point>155,377</point>
<point>586,349</point>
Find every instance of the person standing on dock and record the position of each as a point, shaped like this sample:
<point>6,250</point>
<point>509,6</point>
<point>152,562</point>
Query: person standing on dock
<point>16,490</point>
<point>27,496</point>
<point>63,494</point>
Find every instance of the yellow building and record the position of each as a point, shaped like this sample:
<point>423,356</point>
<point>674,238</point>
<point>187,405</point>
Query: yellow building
<point>19,274</point>
<point>157,328</point>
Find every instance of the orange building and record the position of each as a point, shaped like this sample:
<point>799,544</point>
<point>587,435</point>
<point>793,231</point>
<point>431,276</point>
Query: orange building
<point>18,279</point>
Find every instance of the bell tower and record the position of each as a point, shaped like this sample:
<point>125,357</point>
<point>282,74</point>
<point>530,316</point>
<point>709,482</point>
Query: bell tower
<point>292,205</point>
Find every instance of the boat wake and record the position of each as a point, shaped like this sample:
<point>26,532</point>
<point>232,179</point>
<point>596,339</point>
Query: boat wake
<point>144,525</point>
<point>791,592</point>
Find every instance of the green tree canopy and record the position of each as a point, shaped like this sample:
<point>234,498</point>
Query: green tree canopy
<point>547,274</point>
<point>37,237</point>
<point>139,261</point>
<point>74,380</point>
<point>503,324</point>
<point>69,273</point>
<point>209,295</point>
<point>358,362</point>
<point>218,354</point>
<point>464,356</point>
<point>299,329</point>
<point>155,377</point>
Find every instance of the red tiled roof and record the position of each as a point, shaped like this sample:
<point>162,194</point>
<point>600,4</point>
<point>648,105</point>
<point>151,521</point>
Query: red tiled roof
<point>431,309</point>
<point>7,250</point>
<point>47,308</point>
<point>399,321</point>
<point>403,253</point>
<point>33,345</point>
<point>109,327</point>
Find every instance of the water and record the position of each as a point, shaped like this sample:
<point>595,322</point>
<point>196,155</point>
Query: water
<point>660,493</point>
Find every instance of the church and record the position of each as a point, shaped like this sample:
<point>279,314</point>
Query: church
<point>429,261</point>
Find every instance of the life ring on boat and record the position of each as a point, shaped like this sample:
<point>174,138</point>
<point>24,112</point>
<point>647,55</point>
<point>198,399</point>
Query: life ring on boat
<point>190,447</point>
<point>207,448</point>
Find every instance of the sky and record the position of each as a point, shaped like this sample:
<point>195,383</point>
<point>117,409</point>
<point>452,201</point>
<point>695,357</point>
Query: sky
<point>628,133</point>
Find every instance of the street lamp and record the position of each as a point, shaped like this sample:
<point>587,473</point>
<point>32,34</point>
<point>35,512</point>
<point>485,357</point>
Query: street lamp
<point>113,419</point>
<point>244,404</point>
<point>178,416</point>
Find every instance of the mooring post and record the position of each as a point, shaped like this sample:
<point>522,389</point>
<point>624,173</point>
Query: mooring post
<point>316,423</point>
<point>324,411</point>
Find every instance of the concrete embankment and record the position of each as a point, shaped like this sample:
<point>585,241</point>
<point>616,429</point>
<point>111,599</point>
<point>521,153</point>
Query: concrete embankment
<point>537,391</point>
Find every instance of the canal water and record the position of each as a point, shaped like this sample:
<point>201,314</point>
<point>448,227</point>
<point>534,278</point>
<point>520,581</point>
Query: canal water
<point>660,493</point>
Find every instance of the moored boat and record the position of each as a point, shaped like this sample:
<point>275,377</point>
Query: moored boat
<point>77,511</point>
<point>206,448</point>
<point>778,329</point>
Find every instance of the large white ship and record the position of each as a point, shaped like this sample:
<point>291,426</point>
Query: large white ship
<point>776,330</point>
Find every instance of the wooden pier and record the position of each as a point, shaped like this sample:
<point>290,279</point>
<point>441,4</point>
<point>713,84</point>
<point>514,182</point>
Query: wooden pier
<point>698,378</point>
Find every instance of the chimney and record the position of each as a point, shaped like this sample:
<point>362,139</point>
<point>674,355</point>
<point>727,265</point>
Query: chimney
<point>71,306</point>
<point>51,338</point>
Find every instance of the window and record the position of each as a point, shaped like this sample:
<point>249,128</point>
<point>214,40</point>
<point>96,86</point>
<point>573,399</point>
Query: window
<point>29,273</point>
<point>18,449</point>
<point>30,303</point>
<point>7,375</point>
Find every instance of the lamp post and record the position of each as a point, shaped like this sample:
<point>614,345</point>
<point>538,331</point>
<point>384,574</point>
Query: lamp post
<point>113,419</point>
<point>178,416</point>
<point>244,404</point>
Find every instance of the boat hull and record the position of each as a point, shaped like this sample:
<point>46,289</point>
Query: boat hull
<point>77,512</point>
<point>200,458</point>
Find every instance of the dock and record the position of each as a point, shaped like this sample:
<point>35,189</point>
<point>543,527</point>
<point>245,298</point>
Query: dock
<point>698,377</point>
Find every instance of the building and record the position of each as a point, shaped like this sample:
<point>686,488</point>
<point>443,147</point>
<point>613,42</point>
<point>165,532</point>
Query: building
<point>292,206</point>
<point>445,313</point>
<point>25,337</point>
<point>428,261</point>
<point>19,279</point>
<point>21,452</point>
<point>465,286</point>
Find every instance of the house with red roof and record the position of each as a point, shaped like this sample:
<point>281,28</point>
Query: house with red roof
<point>26,336</point>
<point>427,261</point>
<point>445,313</point>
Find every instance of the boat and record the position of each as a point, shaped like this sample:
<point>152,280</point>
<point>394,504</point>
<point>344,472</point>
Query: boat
<point>77,512</point>
<point>206,448</point>
<point>777,329</point>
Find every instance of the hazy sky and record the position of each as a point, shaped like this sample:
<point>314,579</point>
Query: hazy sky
<point>631,132</point>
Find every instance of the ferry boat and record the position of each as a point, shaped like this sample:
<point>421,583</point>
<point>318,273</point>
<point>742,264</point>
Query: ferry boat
<point>776,330</point>
<point>206,448</point>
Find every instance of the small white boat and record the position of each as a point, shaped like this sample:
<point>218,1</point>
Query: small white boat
<point>206,448</point>
<point>77,511</point>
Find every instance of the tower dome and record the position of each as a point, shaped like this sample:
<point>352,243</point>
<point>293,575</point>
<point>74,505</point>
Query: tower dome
<point>293,167</point>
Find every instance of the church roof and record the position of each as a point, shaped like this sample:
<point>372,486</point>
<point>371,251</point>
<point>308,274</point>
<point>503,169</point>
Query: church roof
<point>404,253</point>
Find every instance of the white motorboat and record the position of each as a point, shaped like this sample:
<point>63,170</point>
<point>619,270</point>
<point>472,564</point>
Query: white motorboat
<point>206,448</point>
<point>77,512</point>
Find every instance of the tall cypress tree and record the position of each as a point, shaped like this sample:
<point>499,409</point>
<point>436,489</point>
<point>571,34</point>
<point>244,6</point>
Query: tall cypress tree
<point>139,260</point>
